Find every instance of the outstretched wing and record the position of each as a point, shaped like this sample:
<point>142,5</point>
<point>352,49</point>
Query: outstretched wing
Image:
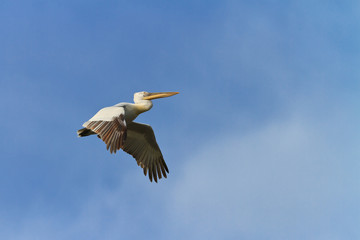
<point>109,123</point>
<point>142,145</point>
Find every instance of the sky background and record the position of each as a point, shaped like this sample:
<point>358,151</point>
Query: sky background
<point>262,142</point>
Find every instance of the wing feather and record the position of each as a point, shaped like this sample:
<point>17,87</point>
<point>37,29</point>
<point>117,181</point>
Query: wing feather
<point>141,144</point>
<point>154,171</point>
<point>136,139</point>
<point>109,123</point>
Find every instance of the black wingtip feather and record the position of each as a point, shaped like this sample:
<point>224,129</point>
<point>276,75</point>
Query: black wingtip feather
<point>84,132</point>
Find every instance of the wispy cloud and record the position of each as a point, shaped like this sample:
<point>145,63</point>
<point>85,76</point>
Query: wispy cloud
<point>281,181</point>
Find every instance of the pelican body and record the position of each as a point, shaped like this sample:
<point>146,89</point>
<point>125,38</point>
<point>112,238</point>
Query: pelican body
<point>116,127</point>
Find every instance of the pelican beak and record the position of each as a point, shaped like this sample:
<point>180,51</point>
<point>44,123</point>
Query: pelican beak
<point>151,96</point>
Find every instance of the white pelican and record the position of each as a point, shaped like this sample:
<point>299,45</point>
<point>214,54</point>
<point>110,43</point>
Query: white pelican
<point>115,126</point>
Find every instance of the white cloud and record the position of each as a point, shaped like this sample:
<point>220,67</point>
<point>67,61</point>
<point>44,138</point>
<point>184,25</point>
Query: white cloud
<point>276,183</point>
<point>295,178</point>
<point>282,181</point>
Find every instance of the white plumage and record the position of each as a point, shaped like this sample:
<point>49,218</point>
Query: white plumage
<point>115,126</point>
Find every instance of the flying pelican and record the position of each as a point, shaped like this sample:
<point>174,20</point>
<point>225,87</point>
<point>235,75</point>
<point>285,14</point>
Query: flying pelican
<point>114,125</point>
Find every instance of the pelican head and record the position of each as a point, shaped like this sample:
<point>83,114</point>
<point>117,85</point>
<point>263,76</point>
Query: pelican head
<point>150,96</point>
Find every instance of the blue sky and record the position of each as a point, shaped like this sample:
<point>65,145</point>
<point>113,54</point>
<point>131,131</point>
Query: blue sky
<point>262,142</point>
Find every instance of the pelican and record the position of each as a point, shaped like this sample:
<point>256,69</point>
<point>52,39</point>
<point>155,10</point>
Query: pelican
<point>116,127</point>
